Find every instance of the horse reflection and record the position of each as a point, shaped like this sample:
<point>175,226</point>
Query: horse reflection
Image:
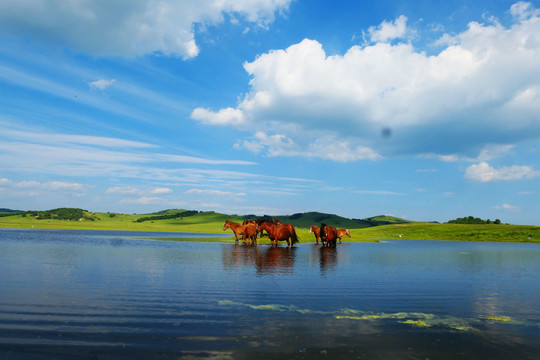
<point>264,260</point>
<point>327,258</point>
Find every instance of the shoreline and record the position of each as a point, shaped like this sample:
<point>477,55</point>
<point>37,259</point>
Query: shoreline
<point>378,234</point>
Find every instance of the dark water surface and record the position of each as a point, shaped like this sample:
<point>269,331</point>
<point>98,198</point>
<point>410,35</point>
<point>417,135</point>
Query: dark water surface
<point>96,294</point>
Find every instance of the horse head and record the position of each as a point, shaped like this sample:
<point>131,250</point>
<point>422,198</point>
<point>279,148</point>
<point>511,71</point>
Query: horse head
<point>323,229</point>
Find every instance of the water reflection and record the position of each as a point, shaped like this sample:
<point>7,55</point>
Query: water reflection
<point>327,258</point>
<point>268,260</point>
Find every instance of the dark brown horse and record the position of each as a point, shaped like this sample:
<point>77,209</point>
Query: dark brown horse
<point>314,229</point>
<point>328,235</point>
<point>279,232</point>
<point>236,228</point>
<point>342,232</point>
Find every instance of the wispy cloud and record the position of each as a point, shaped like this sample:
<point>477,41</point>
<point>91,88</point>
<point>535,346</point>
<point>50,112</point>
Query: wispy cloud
<point>196,191</point>
<point>379,192</point>
<point>157,191</point>
<point>35,188</point>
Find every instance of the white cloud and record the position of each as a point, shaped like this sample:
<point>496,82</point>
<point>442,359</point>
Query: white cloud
<point>507,207</point>
<point>60,185</point>
<point>485,173</point>
<point>143,200</point>
<point>493,151</point>
<point>129,28</point>
<point>54,138</point>
<point>34,188</point>
<point>228,116</point>
<point>76,155</point>
<point>327,147</point>
<point>387,31</point>
<point>157,191</point>
<point>523,10</point>
<point>487,152</point>
<point>102,84</point>
<point>196,191</point>
<point>485,81</point>
<point>124,190</point>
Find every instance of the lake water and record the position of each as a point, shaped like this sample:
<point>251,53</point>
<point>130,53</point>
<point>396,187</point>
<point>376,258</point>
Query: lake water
<point>108,295</point>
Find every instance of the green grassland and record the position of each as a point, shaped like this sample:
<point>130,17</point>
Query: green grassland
<point>179,220</point>
<point>463,232</point>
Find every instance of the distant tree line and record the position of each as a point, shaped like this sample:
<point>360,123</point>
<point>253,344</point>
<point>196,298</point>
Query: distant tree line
<point>473,220</point>
<point>3,214</point>
<point>73,214</point>
<point>168,216</point>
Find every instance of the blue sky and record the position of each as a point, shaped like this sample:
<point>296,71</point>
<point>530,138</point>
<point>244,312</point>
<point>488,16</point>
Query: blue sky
<point>426,110</point>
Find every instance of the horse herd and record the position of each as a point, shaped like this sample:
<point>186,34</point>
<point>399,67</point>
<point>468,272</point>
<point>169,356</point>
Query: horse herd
<point>250,229</point>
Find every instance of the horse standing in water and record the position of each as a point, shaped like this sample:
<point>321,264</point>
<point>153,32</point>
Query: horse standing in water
<point>342,232</point>
<point>279,232</point>
<point>314,229</point>
<point>328,235</point>
<point>249,232</point>
<point>236,228</point>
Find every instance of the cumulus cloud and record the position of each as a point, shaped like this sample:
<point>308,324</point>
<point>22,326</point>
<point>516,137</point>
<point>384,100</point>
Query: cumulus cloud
<point>482,88</point>
<point>129,28</point>
<point>485,173</point>
<point>388,31</point>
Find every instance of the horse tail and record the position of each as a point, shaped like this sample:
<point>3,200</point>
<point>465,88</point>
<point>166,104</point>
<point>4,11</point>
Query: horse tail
<point>294,237</point>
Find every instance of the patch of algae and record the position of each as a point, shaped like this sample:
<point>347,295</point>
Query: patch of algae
<point>421,320</point>
<point>418,323</point>
<point>500,318</point>
<point>272,307</point>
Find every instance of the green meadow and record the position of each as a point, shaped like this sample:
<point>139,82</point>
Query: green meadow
<point>376,228</point>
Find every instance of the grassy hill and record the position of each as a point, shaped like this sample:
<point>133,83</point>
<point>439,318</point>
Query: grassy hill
<point>316,218</point>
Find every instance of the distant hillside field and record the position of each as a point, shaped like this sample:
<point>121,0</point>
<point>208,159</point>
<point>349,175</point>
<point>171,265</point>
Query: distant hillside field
<point>182,220</point>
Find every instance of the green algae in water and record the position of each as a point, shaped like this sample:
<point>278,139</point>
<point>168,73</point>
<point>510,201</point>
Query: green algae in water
<point>416,319</point>
<point>500,318</point>
<point>417,323</point>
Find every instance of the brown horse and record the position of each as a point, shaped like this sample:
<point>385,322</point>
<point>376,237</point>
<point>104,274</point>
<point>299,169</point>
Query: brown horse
<point>328,235</point>
<point>249,231</point>
<point>342,232</point>
<point>314,229</point>
<point>279,232</point>
<point>236,228</point>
